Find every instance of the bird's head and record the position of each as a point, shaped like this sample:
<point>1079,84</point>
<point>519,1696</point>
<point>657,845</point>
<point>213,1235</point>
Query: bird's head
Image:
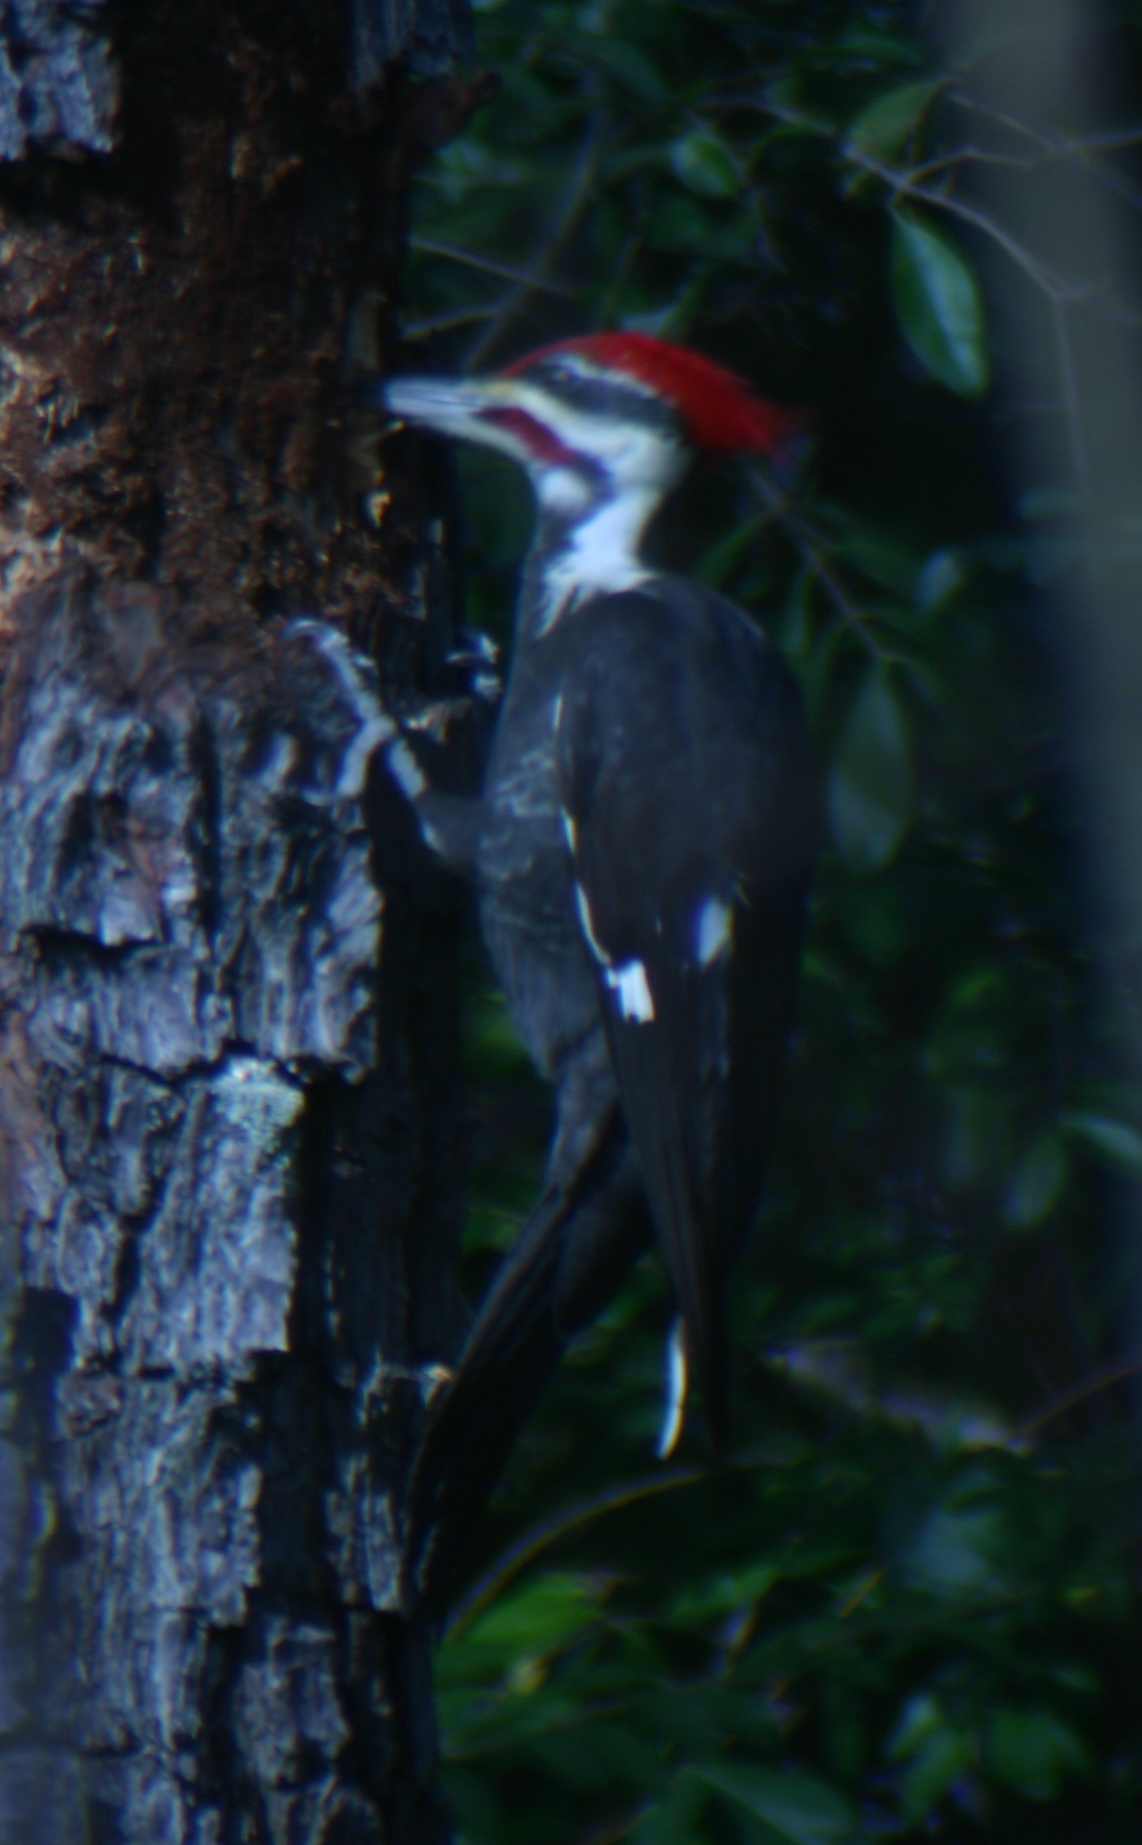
<point>610,416</point>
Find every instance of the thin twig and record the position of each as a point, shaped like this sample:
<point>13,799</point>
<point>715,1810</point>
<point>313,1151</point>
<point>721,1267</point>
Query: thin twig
<point>1057,147</point>
<point>474,259</point>
<point>809,548</point>
<point>902,183</point>
<point>553,1531</point>
<point>575,199</point>
<point>1106,1379</point>
<point>1081,149</point>
<point>966,156</point>
<point>436,324</point>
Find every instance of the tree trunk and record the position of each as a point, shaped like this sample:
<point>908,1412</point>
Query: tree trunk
<point>228,1104</point>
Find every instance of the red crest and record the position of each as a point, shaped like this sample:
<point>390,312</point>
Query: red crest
<point>719,409</point>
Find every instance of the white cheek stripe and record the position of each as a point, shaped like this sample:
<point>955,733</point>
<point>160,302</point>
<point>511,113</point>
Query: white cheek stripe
<point>714,930</point>
<point>562,490</point>
<point>636,1002</point>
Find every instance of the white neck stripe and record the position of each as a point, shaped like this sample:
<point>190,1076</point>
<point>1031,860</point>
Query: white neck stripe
<point>599,557</point>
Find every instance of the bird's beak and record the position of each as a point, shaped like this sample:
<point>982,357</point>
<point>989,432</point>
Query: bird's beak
<point>498,413</point>
<point>451,406</point>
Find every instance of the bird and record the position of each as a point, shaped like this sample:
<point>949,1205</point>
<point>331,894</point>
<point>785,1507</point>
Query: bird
<point>642,853</point>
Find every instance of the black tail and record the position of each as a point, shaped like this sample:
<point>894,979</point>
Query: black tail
<point>573,1252</point>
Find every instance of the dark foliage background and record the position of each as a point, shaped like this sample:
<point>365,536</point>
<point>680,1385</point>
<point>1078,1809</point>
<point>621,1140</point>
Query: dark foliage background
<point>908,1609</point>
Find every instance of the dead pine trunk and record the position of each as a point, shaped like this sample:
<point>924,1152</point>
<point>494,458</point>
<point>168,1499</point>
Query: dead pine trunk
<point>228,1165</point>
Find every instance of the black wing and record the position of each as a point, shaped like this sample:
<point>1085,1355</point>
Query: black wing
<point>690,812</point>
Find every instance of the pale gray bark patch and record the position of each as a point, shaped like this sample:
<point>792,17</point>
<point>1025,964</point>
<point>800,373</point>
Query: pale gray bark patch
<point>218,1189</point>
<point>60,79</point>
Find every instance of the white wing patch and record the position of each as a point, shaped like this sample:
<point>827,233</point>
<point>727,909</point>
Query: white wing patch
<point>409,775</point>
<point>588,925</point>
<point>713,930</point>
<point>636,1001</point>
<point>677,1390</point>
<point>628,981</point>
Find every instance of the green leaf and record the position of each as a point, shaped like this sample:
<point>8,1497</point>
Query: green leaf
<point>1037,1182</point>
<point>921,1719</point>
<point>1118,1141</point>
<point>798,1809</point>
<point>673,1820</point>
<point>720,1594</point>
<point>1034,1752</point>
<point>535,1619</point>
<point>724,558</point>
<point>938,305</point>
<point>872,785</point>
<point>884,124</point>
<point>623,61</point>
<point>938,580</point>
<point>978,1130</point>
<point>874,46</point>
<point>704,163</point>
<point>887,558</point>
<point>952,1552</point>
<point>699,232</point>
<point>942,1761</point>
<point>786,96</point>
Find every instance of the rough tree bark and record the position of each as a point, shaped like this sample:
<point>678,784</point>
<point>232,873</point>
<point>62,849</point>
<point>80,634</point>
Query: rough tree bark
<point>228,1122</point>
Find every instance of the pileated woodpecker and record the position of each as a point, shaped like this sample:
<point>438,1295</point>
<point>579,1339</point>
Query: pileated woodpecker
<point>642,852</point>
